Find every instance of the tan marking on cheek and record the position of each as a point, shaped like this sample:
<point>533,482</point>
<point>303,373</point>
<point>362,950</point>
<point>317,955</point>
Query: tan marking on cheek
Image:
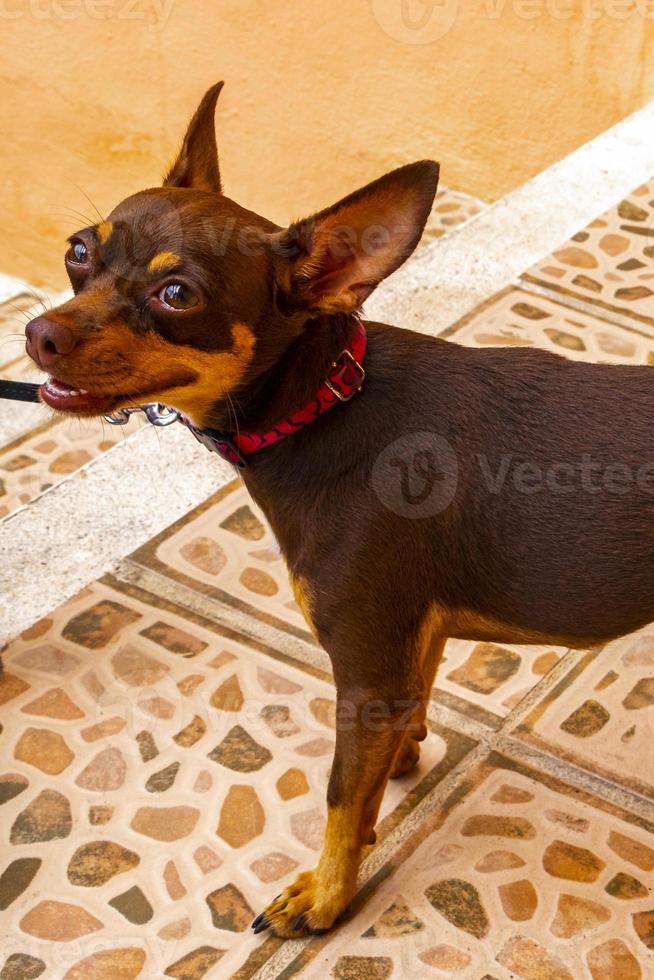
<point>188,379</point>
<point>164,261</point>
<point>103,231</point>
<point>218,374</point>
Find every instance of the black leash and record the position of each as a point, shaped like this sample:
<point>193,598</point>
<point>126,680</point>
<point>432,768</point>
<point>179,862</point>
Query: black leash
<point>156,414</point>
<point>19,391</point>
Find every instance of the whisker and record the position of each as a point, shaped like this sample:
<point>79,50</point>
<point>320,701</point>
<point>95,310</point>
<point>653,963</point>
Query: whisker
<point>73,214</point>
<point>20,314</point>
<point>12,340</point>
<point>44,303</point>
<point>93,205</point>
<point>232,410</point>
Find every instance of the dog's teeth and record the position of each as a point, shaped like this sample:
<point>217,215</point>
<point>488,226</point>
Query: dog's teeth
<point>62,390</point>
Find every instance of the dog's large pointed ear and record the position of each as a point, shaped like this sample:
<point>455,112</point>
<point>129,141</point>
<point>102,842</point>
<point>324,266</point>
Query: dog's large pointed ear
<point>332,262</point>
<point>197,163</point>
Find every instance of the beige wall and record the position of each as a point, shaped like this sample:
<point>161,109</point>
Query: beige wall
<point>320,97</point>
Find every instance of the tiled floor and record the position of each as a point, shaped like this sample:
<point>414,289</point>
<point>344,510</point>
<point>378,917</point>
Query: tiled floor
<point>523,878</point>
<point>607,267</point>
<point>45,450</point>
<point>168,734</point>
<point>451,208</point>
<point>160,771</point>
<point>600,716</point>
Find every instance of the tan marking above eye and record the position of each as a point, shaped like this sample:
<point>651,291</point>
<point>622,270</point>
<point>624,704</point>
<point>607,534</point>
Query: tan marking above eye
<point>164,262</point>
<point>103,231</point>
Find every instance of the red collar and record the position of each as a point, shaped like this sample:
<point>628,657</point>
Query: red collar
<point>342,382</point>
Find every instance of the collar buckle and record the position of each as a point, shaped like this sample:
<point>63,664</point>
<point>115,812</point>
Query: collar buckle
<point>346,373</point>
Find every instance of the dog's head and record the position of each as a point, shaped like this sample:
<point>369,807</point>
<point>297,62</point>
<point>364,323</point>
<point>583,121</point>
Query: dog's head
<point>186,298</point>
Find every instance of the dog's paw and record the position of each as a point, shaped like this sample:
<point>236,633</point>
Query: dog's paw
<point>406,759</point>
<point>307,907</point>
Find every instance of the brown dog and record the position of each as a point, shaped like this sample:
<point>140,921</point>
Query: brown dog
<point>502,494</point>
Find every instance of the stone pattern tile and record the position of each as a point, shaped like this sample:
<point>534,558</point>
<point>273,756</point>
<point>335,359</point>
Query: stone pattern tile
<point>494,677</point>
<point>517,318</point>
<point>160,782</point>
<point>521,879</point>
<point>451,208</point>
<point>608,266</point>
<point>37,461</point>
<point>601,714</point>
<point>226,550</point>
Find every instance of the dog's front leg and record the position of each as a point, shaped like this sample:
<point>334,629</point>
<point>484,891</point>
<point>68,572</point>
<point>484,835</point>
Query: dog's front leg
<point>370,729</point>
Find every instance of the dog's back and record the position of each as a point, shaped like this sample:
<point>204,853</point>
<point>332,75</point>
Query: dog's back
<point>551,524</point>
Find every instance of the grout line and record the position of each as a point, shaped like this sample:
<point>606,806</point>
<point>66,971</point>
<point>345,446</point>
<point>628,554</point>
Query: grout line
<point>451,717</point>
<point>294,648</point>
<point>575,776</point>
<point>440,714</point>
<point>535,695</point>
<point>583,306</point>
<point>504,740</point>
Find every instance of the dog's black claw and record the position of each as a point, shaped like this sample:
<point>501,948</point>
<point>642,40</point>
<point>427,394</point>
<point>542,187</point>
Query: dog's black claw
<point>299,923</point>
<point>258,924</point>
<point>262,926</point>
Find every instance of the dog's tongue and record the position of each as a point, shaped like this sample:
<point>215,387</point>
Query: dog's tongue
<point>57,394</point>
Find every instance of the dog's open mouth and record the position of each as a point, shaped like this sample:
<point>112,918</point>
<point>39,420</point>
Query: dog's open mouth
<point>64,398</point>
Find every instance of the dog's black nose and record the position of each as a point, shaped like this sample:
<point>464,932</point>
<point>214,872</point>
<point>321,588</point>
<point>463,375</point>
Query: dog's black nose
<point>47,340</point>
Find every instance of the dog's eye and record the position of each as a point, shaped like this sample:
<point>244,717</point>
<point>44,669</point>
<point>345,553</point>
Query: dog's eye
<point>178,296</point>
<point>78,253</point>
